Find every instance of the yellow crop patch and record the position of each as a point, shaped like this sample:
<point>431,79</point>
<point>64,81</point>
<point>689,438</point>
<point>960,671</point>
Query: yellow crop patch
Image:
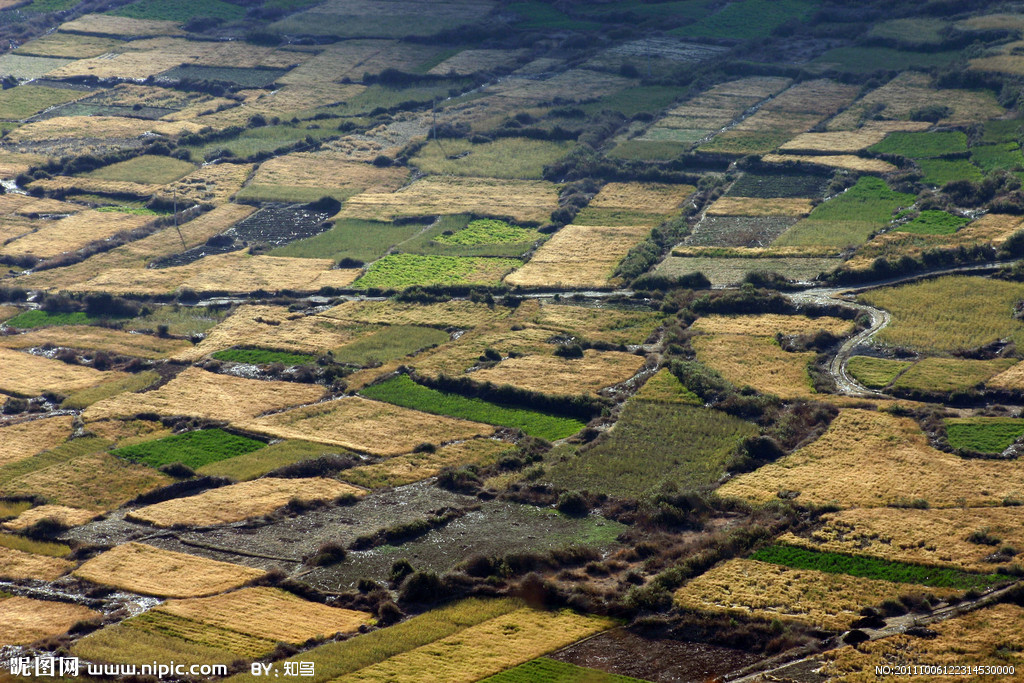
<point>17,565</point>
<point>28,375</point>
<point>28,438</point>
<point>579,256</point>
<point>26,620</point>
<point>551,374</point>
<point>758,362</point>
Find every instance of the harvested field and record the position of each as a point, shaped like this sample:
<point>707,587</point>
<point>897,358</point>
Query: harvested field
<point>770,324</point>
<point>873,459</point>
<point>26,620</point>
<point>753,206</point>
<point>210,183</point>
<point>110,25</point>
<point>233,272</point>
<point>644,197</point>
<point>408,469</point>
<point>605,324</point>
<point>94,186</point>
<point>28,438</point>
<point>16,565</point>
<point>28,375</point>
<point>97,339</point>
<point>147,570</point>
<point>758,362</point>
<point>74,232</point>
<point>69,45</point>
<point>199,393</point>
<point>731,271</point>
<point>527,201</point>
<point>367,426</point>
<point>462,314</point>
<point>550,374</point>
<point>579,256</point>
<point>739,231</point>
<point>67,516</point>
<point>26,205</point>
<point>459,356</point>
<point>237,502</point>
<point>927,537</point>
<point>100,127</point>
<point>846,161</point>
<point>849,141</point>
<point>768,591</point>
<point>985,637</point>
<point>327,174</point>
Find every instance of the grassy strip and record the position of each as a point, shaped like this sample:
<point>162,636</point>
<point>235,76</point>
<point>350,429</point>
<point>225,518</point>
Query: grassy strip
<point>984,435</point>
<point>193,449</point>
<point>921,145</point>
<point>873,568</point>
<point>32,319</point>
<point>876,373</point>
<point>404,392</point>
<point>934,223</point>
<point>263,356</point>
<point>257,463</point>
<point>27,545</point>
<point>83,398</point>
<point>389,343</point>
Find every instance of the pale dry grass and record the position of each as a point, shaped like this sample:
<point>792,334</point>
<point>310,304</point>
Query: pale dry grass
<point>147,570</point>
<point>755,206</point>
<point>485,649</point>
<point>74,232</point>
<point>929,537</point>
<point>769,591</point>
<point>106,24</point>
<point>874,459</point>
<point>758,362</point>
<point>8,311</point>
<point>198,393</point>
<point>822,97</point>
<point>462,314</point>
<point>989,22</point>
<point>758,87</point>
<point>847,161</point>
<point>237,502</point>
<point>1011,379</point>
<point>986,637</point>
<point>128,432</point>
<point>530,201</point>
<point>353,58</point>
<point>456,357</point>
<point>14,227</point>
<point>312,169</point>
<point>24,440</point>
<point>12,204</point>
<point>645,197</point>
<point>233,272</point>
<point>575,84</point>
<point>551,374</point>
<point>597,324</point>
<point>473,61</point>
<point>413,467</point>
<point>367,426</point>
<point>1004,64</point>
<point>770,324</point>
<point>579,256</point>
<point>16,565</point>
<point>284,102</point>
<point>89,185</point>
<point>765,121</point>
<point>63,514</point>
<point>213,183</point>
<point>26,620</point>
<point>102,127</point>
<point>98,339</point>
<point>229,53</point>
<point>850,140</point>
<point>28,375</point>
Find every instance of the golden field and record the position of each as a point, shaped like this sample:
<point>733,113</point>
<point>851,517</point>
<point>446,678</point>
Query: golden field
<point>529,201</point>
<point>484,649</point>
<point>23,440</point>
<point>874,459</point>
<point>462,314</point>
<point>26,620</point>
<point>199,393</point>
<point>596,324</point>
<point>579,256</point>
<point>74,232</point>
<point>575,84</point>
<point>456,357</point>
<point>847,161</point>
<point>551,374</point>
<point>367,426</point>
<point>107,24</point>
<point>214,183</point>
<point>986,637</point>
<point>147,570</point>
<point>16,565</point>
<point>758,362</point>
<point>770,324</point>
<point>413,467</point>
<point>12,204</point>
<point>65,515</point>
<point>239,501</point>
<point>754,206</point>
<point>471,61</point>
<point>312,169</point>
<point>849,141</point>
<point>96,339</point>
<point>63,184</point>
<point>28,375</point>
<point>930,537</point>
<point>644,197</point>
<point>770,591</point>
<point>821,96</point>
<point>103,127</point>
<point>269,613</point>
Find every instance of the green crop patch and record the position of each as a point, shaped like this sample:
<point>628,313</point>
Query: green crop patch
<point>876,373</point>
<point>950,374</point>
<point>690,448</point>
<point>488,231</point>
<point>24,101</point>
<point>934,223</point>
<point>485,237</point>
<point>180,10</point>
<point>148,168</point>
<point>398,271</point>
<point>546,670</point>
<point>938,172</point>
<point>263,356</point>
<point>770,186</point>
<point>543,15</point>
<point>922,145</point>
<point>1003,156</point>
<point>193,449</point>
<point>38,318</point>
<point>857,59</point>
<point>631,101</point>
<point>984,434</point>
<point>748,19</point>
<point>267,459</point>
<point>351,238</point>
<point>389,343</point>
<point>1002,130</point>
<point>873,568</point>
<point>404,392</point>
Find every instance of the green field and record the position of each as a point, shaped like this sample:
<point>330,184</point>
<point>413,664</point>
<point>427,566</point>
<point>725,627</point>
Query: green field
<point>445,238</point>
<point>267,459</point>
<point>938,172</point>
<point>950,374</point>
<point>389,343</point>
<point>768,186</point>
<point>983,434</point>
<point>1006,155</point>
<point>404,392</point>
<point>488,231</point>
<point>154,170</point>
<point>1002,130</point>
<point>541,15</point>
<point>649,150</point>
<point>83,398</point>
<point>180,10</point>
<point>263,356</point>
<point>263,139</point>
<point>546,670</point>
<point>934,223</point>
<point>193,449</point>
<point>921,145</point>
<point>872,568</point>
<point>690,449</point>
<point>516,158</point>
<point>39,318</point>
<point>876,373</point>
<point>858,59</point>
<point>742,143</point>
<point>748,19</point>
<point>24,101</point>
<point>643,98</point>
<point>398,271</point>
<point>351,238</point>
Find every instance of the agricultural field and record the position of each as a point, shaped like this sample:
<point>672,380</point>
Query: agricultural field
<point>984,434</point>
<point>950,374</point>
<point>545,669</point>
<point>52,332</point>
<point>758,362</point>
<point>724,272</point>
<point>192,449</point>
<point>153,170</point>
<point>17,565</point>
<point>413,467</point>
<point>551,374</point>
<point>506,158</point>
<point>28,375</point>
<point>876,373</point>
<point>398,271</point>
<point>28,438</point>
<point>579,256</point>
<point>27,620</point>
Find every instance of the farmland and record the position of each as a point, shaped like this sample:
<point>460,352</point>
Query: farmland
<point>407,469</point>
<point>192,449</point>
<point>28,620</point>
<point>758,362</point>
<point>397,271</point>
<point>985,435</point>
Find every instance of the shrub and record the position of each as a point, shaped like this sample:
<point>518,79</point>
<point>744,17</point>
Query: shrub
<point>421,587</point>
